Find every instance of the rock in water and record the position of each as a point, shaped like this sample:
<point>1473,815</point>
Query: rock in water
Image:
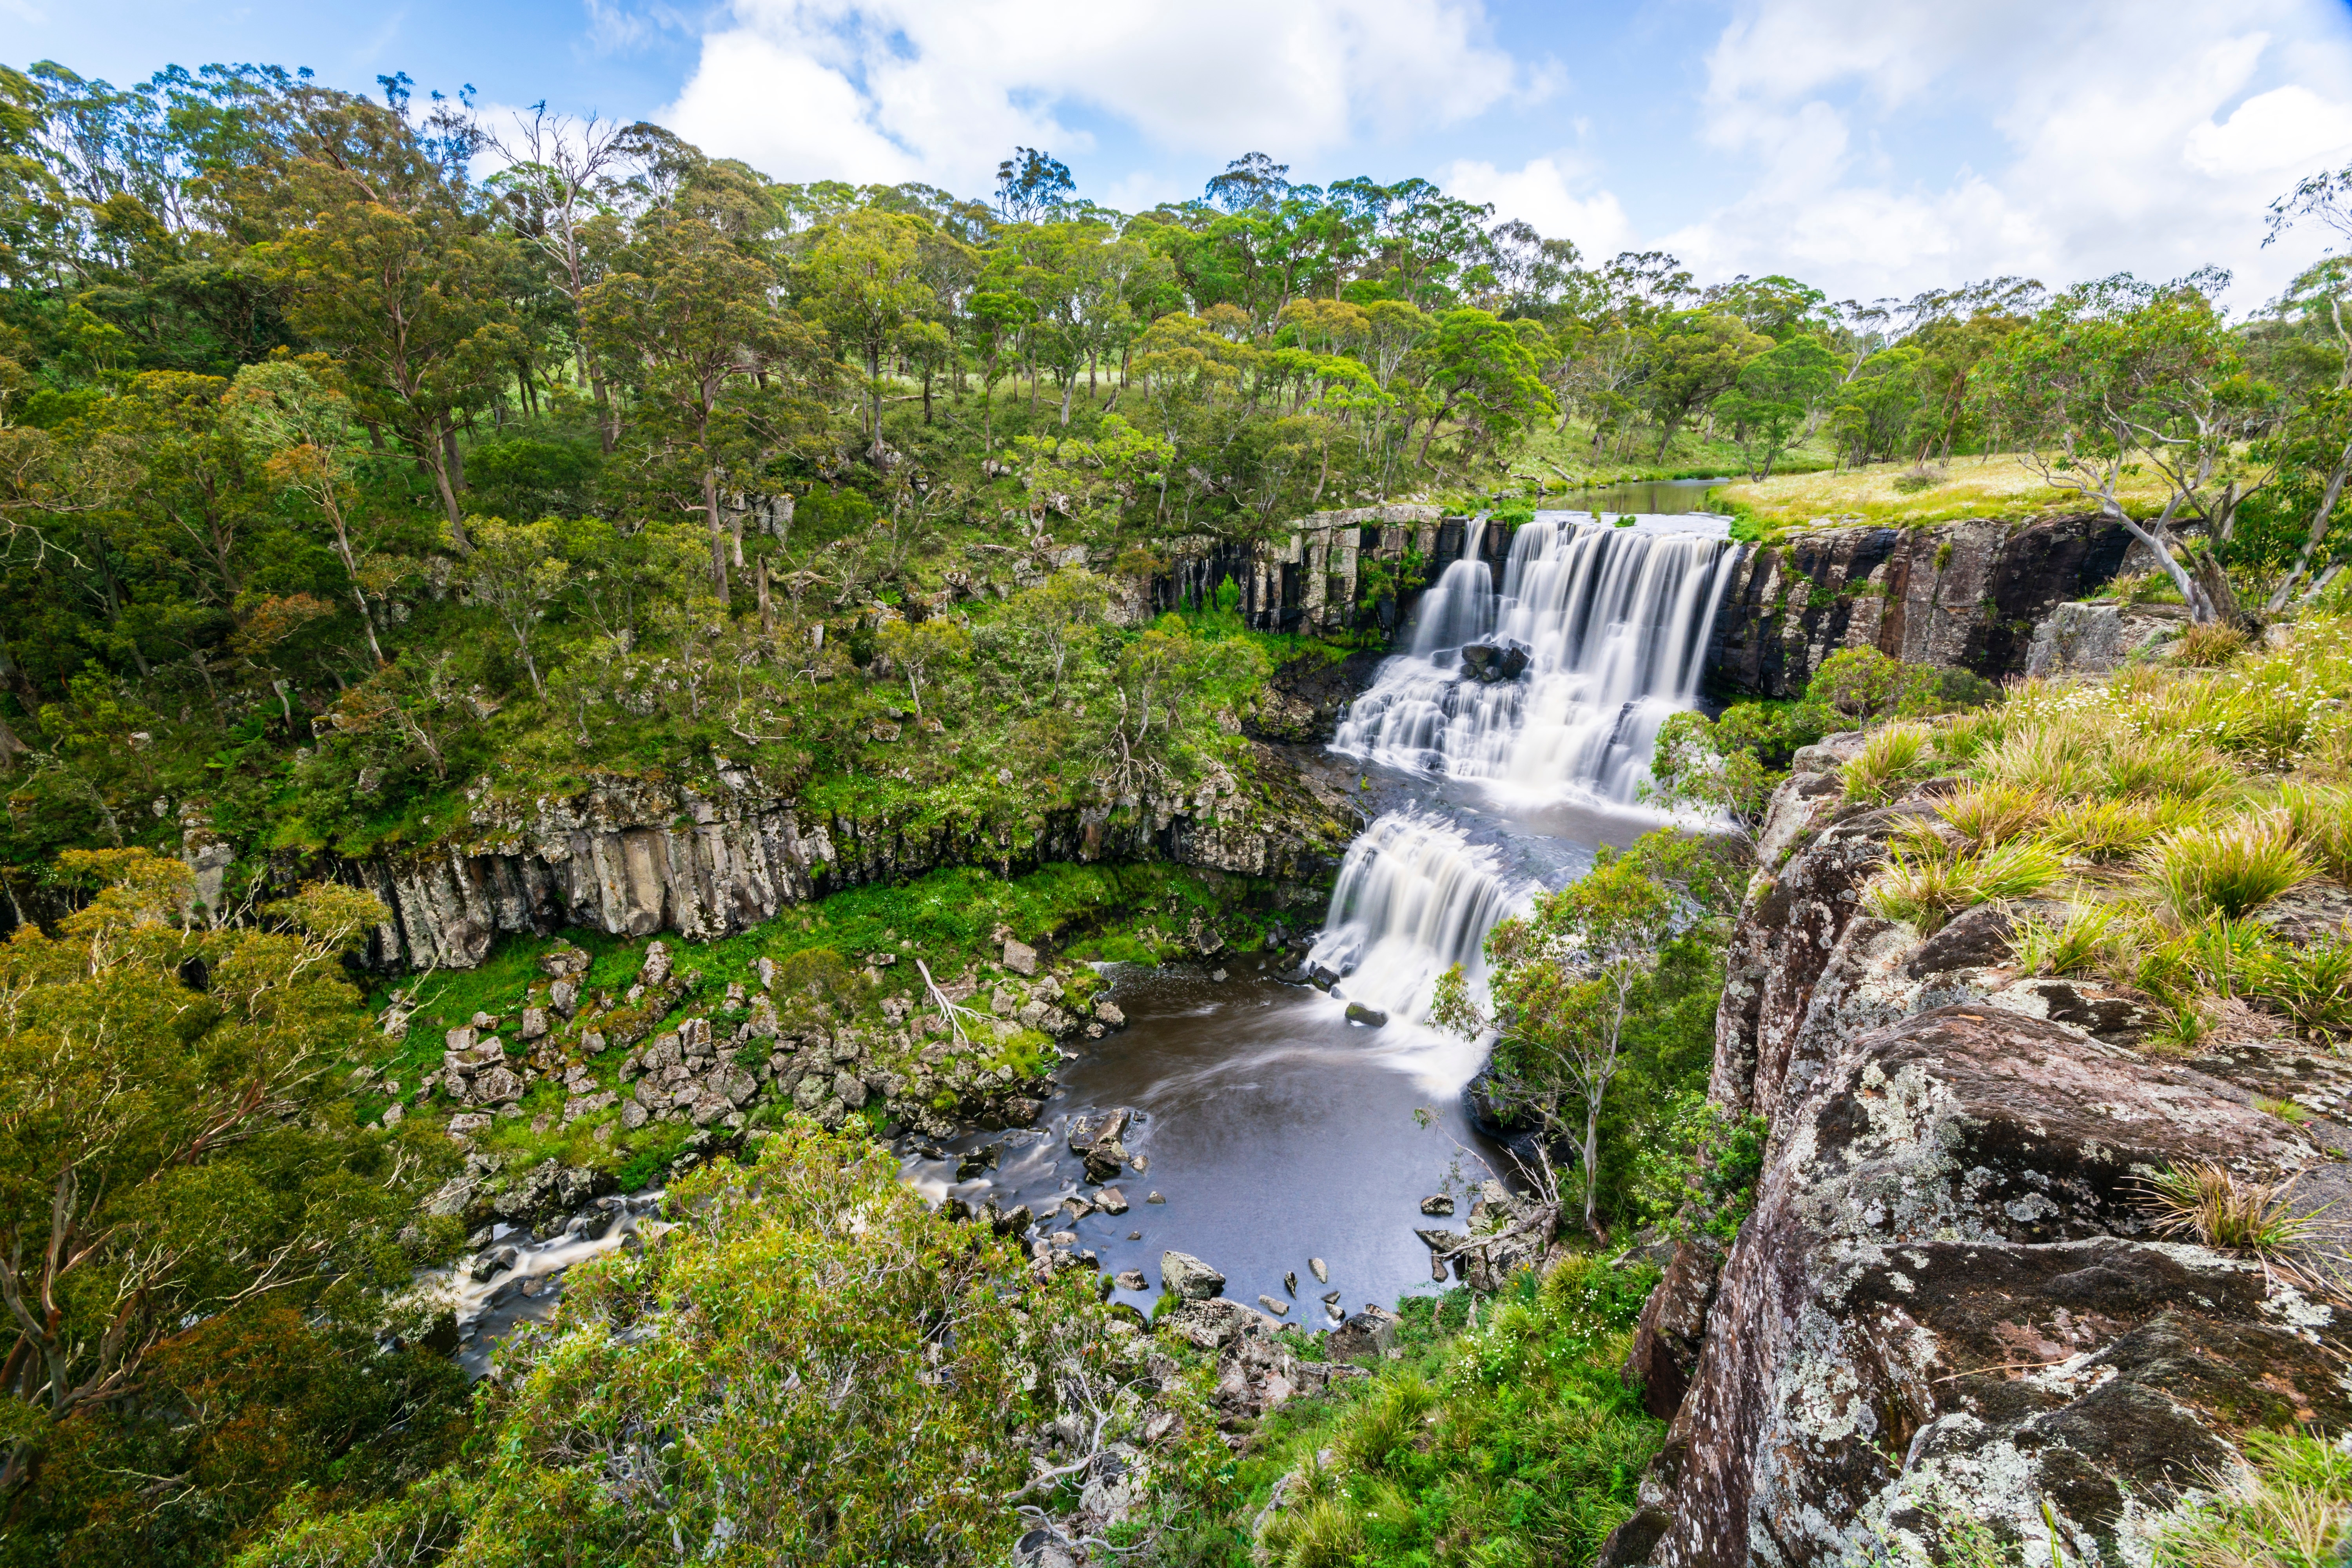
<point>1322,1275</point>
<point>1133,1279</point>
<point>1185,1276</point>
<point>1370,1017</point>
<point>1155,1198</point>
<point>1437,1203</point>
<point>1279,1309</point>
<point>1110,1200</point>
<point>1291,1281</point>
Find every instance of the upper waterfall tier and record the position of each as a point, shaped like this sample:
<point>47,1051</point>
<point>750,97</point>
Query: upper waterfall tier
<point>1614,623</point>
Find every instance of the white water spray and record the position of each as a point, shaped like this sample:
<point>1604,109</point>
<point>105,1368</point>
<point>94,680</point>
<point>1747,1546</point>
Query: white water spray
<point>1615,623</point>
<point>1414,897</point>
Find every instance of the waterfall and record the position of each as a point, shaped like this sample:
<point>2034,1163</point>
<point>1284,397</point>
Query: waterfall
<point>1613,623</point>
<point>1414,897</point>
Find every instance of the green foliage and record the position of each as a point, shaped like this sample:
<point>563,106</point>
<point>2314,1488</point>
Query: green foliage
<point>1888,759</point>
<point>186,1186</point>
<point>1516,1440</point>
<point>2295,1515</point>
<point>818,1367</point>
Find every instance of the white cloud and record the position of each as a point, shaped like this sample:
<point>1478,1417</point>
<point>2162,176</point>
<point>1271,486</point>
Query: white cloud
<point>2061,141</point>
<point>942,89</point>
<point>1539,194</point>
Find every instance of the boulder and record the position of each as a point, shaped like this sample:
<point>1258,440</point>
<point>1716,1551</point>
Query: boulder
<point>1370,1017</point>
<point>1369,1335</point>
<point>534,1022</point>
<point>1280,1309</point>
<point>656,969</point>
<point>496,1085</point>
<point>1183,1276</point>
<point>1110,1200</point>
<point>1437,1203</point>
<point>1020,957</point>
<point>1948,1299</point>
<point>1133,1279</point>
<point>1108,1015</point>
<point>1499,658</point>
<point>564,996</point>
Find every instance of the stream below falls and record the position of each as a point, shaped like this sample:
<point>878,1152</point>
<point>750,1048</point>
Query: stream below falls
<point>1273,1129</point>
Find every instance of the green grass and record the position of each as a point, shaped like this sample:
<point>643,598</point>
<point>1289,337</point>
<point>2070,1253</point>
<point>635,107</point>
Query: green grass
<point>1514,1442</point>
<point>2296,1513</point>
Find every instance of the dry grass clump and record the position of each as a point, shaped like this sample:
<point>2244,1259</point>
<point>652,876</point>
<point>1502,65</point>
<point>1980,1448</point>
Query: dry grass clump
<point>2057,761</point>
<point>2211,1204</point>
<point>2166,767</point>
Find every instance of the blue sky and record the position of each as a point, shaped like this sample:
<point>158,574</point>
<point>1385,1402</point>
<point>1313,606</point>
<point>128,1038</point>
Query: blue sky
<point>1873,147</point>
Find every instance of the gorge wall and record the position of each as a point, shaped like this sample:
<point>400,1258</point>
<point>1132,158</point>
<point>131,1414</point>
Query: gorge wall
<point>1962,595</point>
<point>1948,1304</point>
<point>631,857</point>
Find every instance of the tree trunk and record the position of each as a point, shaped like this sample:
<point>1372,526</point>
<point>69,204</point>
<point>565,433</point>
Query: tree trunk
<point>718,533</point>
<point>767,607</point>
<point>438,451</point>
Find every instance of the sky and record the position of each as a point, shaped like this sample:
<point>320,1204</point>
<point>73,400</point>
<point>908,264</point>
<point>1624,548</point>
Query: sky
<point>1872,148</point>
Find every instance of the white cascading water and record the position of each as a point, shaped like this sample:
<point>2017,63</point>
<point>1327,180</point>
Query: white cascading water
<point>1414,897</point>
<point>1615,622</point>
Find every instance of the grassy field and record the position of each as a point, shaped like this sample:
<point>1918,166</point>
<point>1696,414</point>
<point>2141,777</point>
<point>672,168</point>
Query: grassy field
<point>1999,488</point>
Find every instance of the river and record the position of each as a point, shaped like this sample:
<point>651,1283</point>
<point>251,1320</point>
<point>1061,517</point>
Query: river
<point>1274,1129</point>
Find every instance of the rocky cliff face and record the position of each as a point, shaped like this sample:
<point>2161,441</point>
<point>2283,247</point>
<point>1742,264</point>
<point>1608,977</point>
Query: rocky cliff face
<point>633,858</point>
<point>1963,595</point>
<point>1948,1303</point>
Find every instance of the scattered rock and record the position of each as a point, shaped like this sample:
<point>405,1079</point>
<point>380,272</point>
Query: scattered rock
<point>1291,1281</point>
<point>1155,1198</point>
<point>1133,1279</point>
<point>1322,1275</point>
<point>1437,1203</point>
<point>1279,1309</point>
<point>534,1022</point>
<point>1370,1334</point>
<point>1020,957</point>
<point>1370,1017</point>
<point>1110,1200</point>
<point>656,969</point>
<point>1107,1015</point>
<point>1186,1277</point>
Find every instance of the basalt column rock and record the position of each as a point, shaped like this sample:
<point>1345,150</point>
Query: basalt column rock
<point>633,858</point>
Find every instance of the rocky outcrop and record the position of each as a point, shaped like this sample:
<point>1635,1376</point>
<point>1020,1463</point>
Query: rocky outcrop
<point>1949,1303</point>
<point>2091,639</point>
<point>632,857</point>
<point>1965,595</point>
<point>1310,580</point>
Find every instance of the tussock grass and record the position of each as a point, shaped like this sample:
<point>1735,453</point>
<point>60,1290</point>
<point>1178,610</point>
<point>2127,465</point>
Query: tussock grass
<point>1992,813</point>
<point>2109,831</point>
<point>2069,946</point>
<point>2230,869</point>
<point>2161,767</point>
<point>1892,755</point>
<point>2209,647</point>
<point>2209,1203</point>
<point>1925,889</point>
<point>2321,817</point>
<point>2295,1512</point>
